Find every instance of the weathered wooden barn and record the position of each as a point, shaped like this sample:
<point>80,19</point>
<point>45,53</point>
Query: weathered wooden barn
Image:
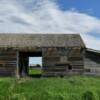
<point>61,54</point>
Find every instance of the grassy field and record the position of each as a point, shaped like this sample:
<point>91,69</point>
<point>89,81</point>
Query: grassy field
<point>67,88</point>
<point>33,71</point>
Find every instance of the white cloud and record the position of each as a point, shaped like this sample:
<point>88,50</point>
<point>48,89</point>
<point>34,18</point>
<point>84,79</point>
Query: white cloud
<point>46,17</point>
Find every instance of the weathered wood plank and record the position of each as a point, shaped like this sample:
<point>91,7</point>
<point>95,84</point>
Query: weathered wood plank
<point>7,62</point>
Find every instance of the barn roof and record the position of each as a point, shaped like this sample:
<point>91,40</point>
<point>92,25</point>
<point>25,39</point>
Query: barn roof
<point>40,40</point>
<point>93,50</point>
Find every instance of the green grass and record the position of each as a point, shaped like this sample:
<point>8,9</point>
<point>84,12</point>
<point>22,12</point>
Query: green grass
<point>67,88</point>
<point>33,71</point>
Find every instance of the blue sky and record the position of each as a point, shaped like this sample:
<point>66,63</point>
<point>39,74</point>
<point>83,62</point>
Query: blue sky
<point>35,60</point>
<point>52,16</point>
<point>90,7</point>
<point>86,6</point>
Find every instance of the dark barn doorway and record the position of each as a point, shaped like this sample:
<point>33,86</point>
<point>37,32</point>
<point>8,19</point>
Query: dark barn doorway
<point>30,64</point>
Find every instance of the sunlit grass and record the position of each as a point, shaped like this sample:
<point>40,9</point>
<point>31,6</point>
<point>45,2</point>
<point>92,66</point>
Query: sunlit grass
<point>67,88</point>
<point>35,71</point>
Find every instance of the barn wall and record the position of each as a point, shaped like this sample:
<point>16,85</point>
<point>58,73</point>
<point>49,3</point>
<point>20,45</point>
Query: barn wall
<point>54,61</point>
<point>76,60</point>
<point>92,63</point>
<point>62,61</point>
<point>7,62</point>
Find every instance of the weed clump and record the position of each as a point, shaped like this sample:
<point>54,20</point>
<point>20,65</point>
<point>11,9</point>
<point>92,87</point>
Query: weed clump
<point>88,95</point>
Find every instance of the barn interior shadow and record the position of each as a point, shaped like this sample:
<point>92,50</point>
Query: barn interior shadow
<point>27,68</point>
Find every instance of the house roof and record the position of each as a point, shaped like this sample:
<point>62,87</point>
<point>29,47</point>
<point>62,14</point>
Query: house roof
<point>40,40</point>
<point>93,50</point>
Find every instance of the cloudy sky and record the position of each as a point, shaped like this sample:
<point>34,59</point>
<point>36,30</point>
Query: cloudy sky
<point>52,16</point>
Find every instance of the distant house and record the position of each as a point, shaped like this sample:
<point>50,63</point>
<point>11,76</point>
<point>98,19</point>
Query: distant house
<point>61,54</point>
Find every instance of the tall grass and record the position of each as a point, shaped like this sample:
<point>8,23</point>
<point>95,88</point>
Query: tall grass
<point>67,88</point>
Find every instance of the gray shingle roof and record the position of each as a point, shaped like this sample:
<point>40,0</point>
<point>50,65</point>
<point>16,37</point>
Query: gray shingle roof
<point>40,40</point>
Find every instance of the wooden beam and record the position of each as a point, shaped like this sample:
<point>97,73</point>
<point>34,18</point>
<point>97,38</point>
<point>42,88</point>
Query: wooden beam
<point>17,65</point>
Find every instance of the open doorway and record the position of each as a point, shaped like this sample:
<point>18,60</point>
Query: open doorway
<point>35,66</point>
<point>30,63</point>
